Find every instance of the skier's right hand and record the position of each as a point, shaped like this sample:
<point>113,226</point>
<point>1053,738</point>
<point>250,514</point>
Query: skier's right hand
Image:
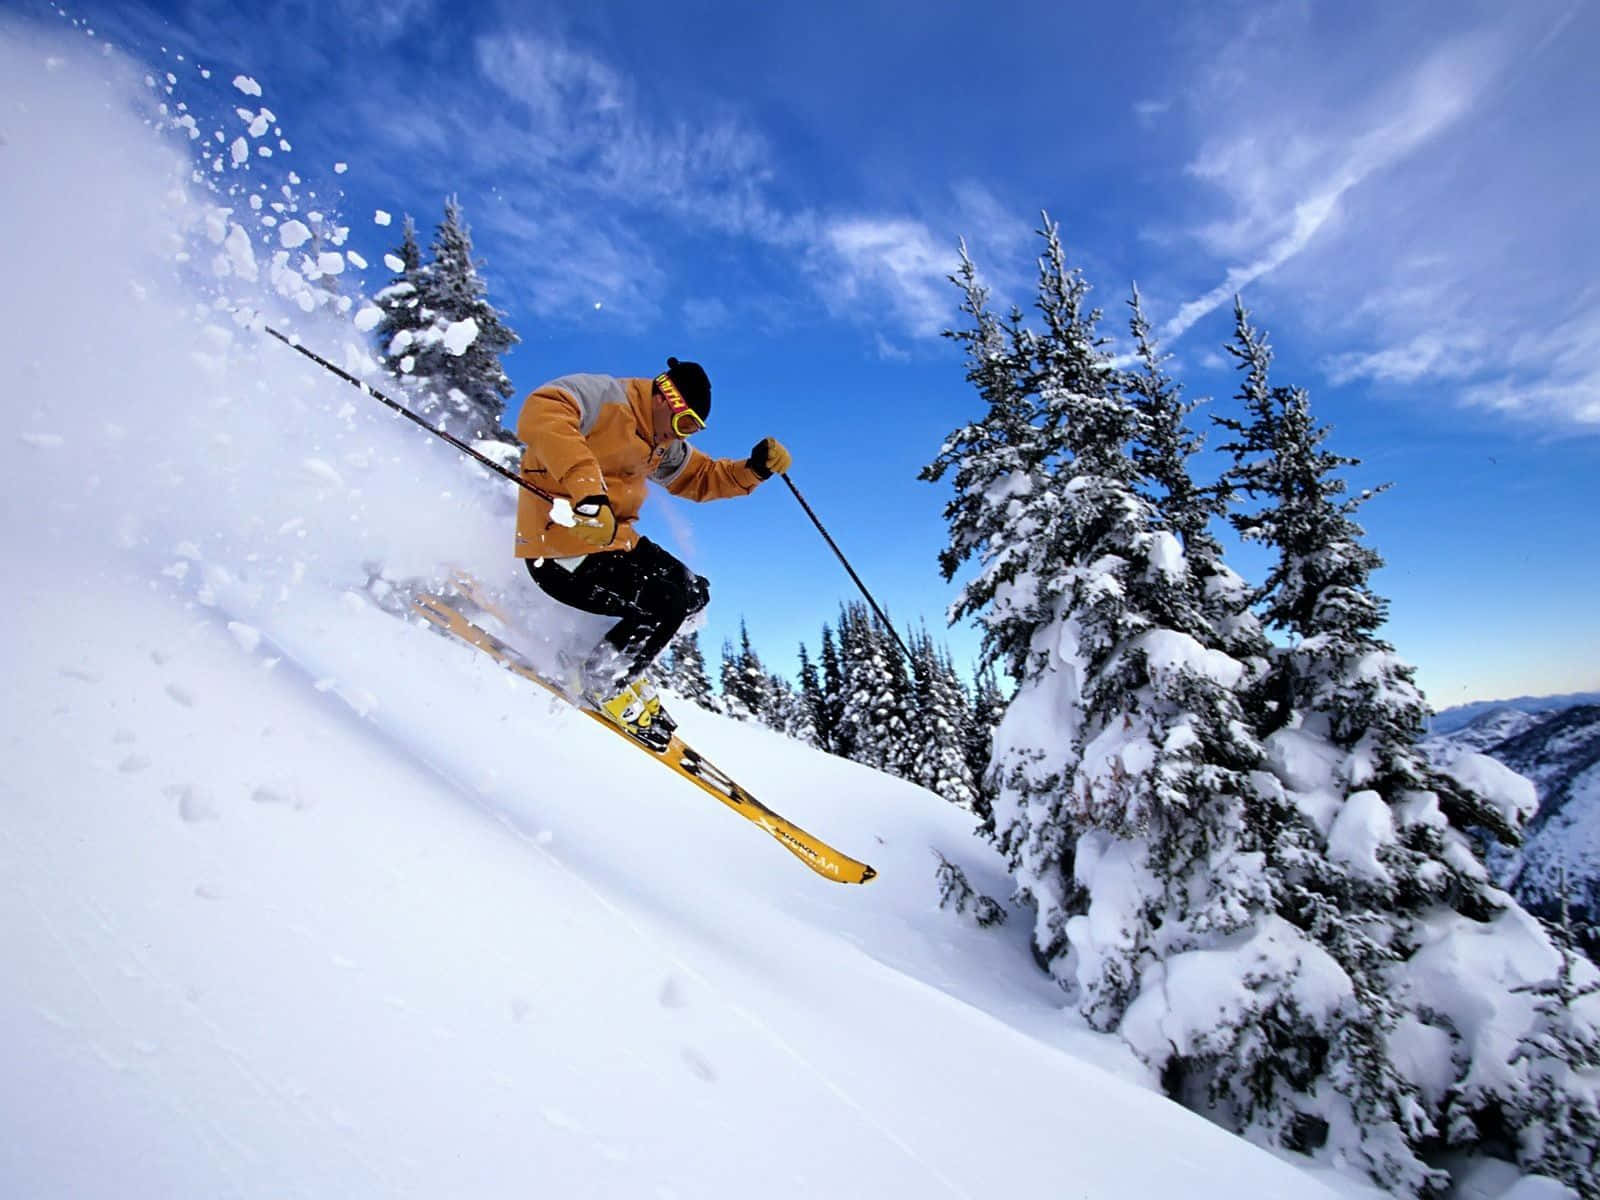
<point>596,523</point>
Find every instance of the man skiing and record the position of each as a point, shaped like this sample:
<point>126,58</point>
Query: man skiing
<point>595,441</point>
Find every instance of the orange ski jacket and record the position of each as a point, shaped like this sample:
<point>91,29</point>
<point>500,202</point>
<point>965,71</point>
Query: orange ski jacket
<point>587,435</point>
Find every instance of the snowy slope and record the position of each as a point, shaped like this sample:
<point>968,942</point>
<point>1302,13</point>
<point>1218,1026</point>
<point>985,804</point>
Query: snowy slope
<point>1559,752</point>
<point>299,899</point>
<point>1561,854</point>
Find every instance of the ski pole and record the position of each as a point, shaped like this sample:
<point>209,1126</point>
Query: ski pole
<point>840,553</point>
<point>484,459</point>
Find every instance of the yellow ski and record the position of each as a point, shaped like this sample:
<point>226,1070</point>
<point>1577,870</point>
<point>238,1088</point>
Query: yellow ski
<point>680,757</point>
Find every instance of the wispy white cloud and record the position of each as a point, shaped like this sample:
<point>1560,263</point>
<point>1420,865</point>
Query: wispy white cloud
<point>1428,355</point>
<point>896,261</point>
<point>1548,377</point>
<point>1285,185</point>
<point>1425,213</point>
<point>562,267</point>
<point>583,125</point>
<point>897,269</point>
<point>586,168</point>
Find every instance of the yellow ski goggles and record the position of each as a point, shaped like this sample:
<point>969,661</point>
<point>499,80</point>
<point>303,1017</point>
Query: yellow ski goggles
<point>685,420</point>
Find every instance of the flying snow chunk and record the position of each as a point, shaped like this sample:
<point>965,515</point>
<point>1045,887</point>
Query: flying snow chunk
<point>247,85</point>
<point>340,168</point>
<point>394,262</point>
<point>240,151</point>
<point>356,260</point>
<point>216,224</point>
<point>241,258</point>
<point>380,217</point>
<point>367,318</point>
<point>292,234</point>
<point>330,262</point>
<point>459,335</point>
<point>319,469</point>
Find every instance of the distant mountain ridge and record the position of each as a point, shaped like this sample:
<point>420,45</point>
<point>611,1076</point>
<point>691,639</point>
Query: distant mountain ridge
<point>1451,719</point>
<point>1491,727</point>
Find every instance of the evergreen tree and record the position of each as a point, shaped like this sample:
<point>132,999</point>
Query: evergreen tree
<point>1132,806</point>
<point>465,384</point>
<point>1001,466</point>
<point>686,671</point>
<point>1388,862</point>
<point>831,725</point>
<point>937,760</point>
<point>987,708</point>
<point>874,716</point>
<point>1164,447</point>
<point>816,722</point>
<point>1555,1112</point>
<point>1153,762</point>
<point>403,319</point>
<point>744,680</point>
<point>786,711</point>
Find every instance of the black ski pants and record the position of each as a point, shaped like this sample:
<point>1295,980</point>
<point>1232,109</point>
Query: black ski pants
<point>651,592</point>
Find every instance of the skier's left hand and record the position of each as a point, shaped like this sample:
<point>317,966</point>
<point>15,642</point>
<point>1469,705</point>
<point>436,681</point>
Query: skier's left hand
<point>769,458</point>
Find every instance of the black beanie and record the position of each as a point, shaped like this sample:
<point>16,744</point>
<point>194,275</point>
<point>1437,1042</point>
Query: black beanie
<point>691,381</point>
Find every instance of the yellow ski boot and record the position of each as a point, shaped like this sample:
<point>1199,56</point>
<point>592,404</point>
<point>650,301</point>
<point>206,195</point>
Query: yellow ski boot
<point>635,708</point>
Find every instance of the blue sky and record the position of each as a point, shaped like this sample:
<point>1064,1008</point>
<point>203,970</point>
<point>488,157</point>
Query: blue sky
<point>1402,191</point>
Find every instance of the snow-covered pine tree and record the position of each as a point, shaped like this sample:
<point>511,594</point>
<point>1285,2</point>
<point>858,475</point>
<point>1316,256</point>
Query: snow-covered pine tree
<point>1000,466</point>
<point>1165,445</point>
<point>1153,760</point>
<point>816,705</point>
<point>874,717</point>
<point>937,760</point>
<point>744,680</point>
<point>403,319</point>
<point>685,671</point>
<point>1555,1116</point>
<point>831,721</point>
<point>1132,806</point>
<point>456,358</point>
<point>988,706</point>
<point>1386,874</point>
<point>787,712</point>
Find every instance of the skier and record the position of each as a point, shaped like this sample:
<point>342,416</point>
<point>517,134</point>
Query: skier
<point>596,440</point>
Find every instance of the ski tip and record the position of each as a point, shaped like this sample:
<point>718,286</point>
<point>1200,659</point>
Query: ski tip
<point>868,874</point>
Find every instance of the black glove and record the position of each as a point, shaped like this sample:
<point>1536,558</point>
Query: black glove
<point>769,458</point>
<point>596,523</point>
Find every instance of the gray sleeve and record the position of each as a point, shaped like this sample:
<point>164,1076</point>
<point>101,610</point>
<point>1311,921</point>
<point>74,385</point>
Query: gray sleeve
<point>593,393</point>
<point>672,463</point>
